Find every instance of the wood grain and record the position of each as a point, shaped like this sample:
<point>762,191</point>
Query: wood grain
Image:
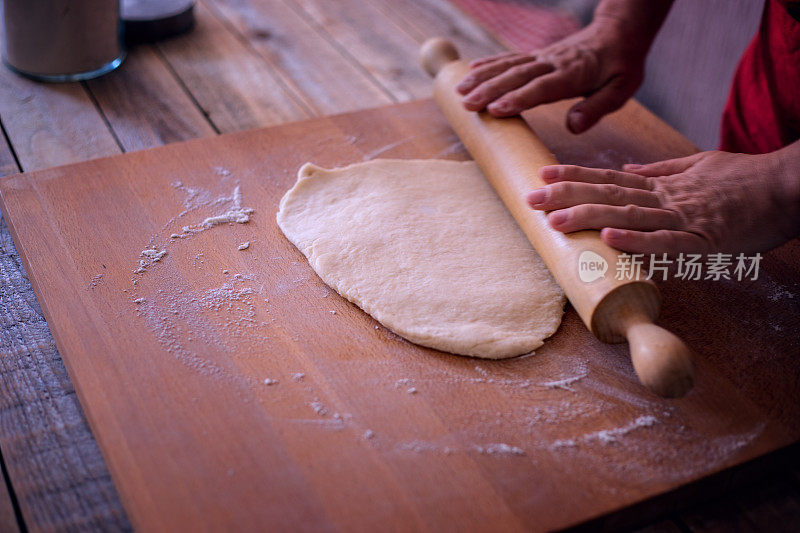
<point>8,160</point>
<point>425,19</point>
<point>234,86</point>
<point>328,79</point>
<point>193,437</point>
<point>8,520</point>
<point>374,40</point>
<point>52,125</point>
<point>58,473</point>
<point>145,104</point>
<point>8,165</point>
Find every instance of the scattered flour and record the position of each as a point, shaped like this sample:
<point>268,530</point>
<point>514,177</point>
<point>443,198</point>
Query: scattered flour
<point>417,446</point>
<point>563,383</point>
<point>494,449</point>
<point>500,449</point>
<point>607,436</point>
<point>94,281</point>
<point>195,199</point>
<point>176,316</point>
<point>318,408</point>
<point>153,254</point>
<point>235,214</point>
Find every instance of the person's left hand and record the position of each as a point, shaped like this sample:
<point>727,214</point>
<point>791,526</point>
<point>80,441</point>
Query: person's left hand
<point>704,203</point>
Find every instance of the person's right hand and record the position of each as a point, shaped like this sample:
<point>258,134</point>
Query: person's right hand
<point>604,62</point>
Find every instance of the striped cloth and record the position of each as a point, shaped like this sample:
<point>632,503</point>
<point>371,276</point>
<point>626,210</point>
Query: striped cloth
<point>519,24</point>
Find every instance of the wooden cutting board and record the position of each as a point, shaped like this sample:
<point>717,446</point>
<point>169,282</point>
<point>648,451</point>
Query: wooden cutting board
<point>240,392</point>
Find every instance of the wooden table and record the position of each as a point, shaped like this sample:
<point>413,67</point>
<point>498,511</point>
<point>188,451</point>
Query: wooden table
<point>248,64</point>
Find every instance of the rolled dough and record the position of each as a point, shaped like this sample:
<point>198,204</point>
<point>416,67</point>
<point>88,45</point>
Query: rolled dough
<point>428,249</point>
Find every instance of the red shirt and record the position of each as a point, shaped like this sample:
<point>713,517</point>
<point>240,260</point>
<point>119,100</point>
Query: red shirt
<point>763,110</point>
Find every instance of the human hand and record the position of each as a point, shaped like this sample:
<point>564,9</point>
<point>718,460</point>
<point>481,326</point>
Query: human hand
<point>603,62</point>
<point>708,202</point>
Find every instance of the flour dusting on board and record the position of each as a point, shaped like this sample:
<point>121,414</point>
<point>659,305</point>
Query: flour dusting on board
<point>608,436</point>
<point>179,314</point>
<point>223,327</point>
<point>196,199</point>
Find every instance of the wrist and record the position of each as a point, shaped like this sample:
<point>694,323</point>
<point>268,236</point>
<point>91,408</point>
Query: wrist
<point>787,173</point>
<point>632,19</point>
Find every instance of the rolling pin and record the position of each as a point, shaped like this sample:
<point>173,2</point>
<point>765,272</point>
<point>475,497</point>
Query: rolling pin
<point>510,155</point>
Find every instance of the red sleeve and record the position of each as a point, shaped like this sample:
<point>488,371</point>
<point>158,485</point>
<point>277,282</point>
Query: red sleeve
<point>763,110</point>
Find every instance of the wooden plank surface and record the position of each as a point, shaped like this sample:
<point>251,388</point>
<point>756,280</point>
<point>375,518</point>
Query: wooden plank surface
<point>174,386</point>
<point>329,80</point>
<point>52,124</point>
<point>229,80</point>
<point>373,39</point>
<point>57,472</point>
<point>145,105</point>
<point>8,517</point>
<point>424,19</point>
<point>54,467</point>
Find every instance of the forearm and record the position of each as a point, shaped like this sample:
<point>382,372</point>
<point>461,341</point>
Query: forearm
<point>641,19</point>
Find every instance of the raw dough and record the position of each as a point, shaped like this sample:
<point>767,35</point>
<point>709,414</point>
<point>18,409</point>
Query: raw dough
<point>428,249</point>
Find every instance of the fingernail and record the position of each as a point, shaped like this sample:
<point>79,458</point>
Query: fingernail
<point>558,218</point>
<point>632,166</point>
<point>537,197</point>
<point>613,233</point>
<point>577,121</point>
<point>498,106</point>
<point>550,173</point>
<point>464,84</point>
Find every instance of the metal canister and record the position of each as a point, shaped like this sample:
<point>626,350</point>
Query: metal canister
<point>62,40</point>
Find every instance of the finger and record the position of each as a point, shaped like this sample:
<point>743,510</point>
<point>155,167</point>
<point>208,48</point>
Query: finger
<point>654,242</point>
<point>559,173</point>
<point>489,59</point>
<point>569,193</point>
<point>667,167</point>
<point>608,98</point>
<point>548,88</point>
<point>489,71</point>
<point>509,80</point>
<point>595,216</point>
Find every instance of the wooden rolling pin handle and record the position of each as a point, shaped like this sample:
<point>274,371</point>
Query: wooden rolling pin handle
<point>436,53</point>
<point>661,360</point>
<point>510,153</point>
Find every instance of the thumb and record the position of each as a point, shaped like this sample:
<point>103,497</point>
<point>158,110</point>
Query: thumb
<point>664,168</point>
<point>591,109</point>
